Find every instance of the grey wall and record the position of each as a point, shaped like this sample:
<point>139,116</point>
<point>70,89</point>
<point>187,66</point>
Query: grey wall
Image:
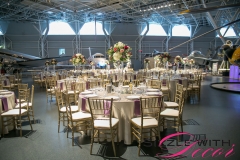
<point>25,38</point>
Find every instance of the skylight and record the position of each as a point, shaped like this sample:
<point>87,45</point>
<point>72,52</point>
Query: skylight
<point>59,28</point>
<point>154,30</point>
<point>181,31</point>
<point>230,32</point>
<point>89,29</point>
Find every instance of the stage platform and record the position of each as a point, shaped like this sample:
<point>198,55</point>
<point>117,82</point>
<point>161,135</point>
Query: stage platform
<point>227,86</point>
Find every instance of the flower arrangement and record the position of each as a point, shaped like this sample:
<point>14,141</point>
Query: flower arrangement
<point>47,63</point>
<point>158,59</point>
<point>147,61</point>
<point>165,57</point>
<point>92,63</point>
<point>106,62</point>
<point>119,52</point>
<point>78,59</point>
<point>185,61</point>
<point>178,59</point>
<point>53,62</point>
<point>191,61</point>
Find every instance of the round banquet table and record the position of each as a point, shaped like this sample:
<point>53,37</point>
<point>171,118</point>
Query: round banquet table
<point>123,109</point>
<point>7,102</point>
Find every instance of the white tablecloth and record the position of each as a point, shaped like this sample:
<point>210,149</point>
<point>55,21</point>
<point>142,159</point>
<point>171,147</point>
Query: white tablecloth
<point>123,110</point>
<point>11,104</point>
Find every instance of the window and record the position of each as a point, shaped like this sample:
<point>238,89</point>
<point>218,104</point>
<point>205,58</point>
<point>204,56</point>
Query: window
<point>181,31</point>
<point>230,32</point>
<point>62,52</point>
<point>154,30</point>
<point>59,28</point>
<point>89,29</point>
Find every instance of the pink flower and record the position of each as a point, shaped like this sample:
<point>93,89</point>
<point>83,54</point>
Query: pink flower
<point>115,49</point>
<point>126,47</point>
<point>121,50</point>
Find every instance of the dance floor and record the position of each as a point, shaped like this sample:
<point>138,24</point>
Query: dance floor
<point>227,86</point>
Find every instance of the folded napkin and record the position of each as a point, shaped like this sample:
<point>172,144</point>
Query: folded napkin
<point>83,108</point>
<point>87,85</point>
<point>107,105</point>
<point>61,85</point>
<point>5,82</point>
<point>4,103</point>
<point>134,76</point>
<point>137,107</point>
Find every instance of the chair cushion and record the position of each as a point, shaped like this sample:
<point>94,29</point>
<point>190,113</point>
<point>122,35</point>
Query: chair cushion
<point>104,122</point>
<point>170,104</point>
<point>72,92</point>
<point>49,90</point>
<point>147,122</point>
<point>73,108</point>
<point>13,112</point>
<point>24,104</point>
<point>164,89</point>
<point>170,112</point>
<point>80,115</point>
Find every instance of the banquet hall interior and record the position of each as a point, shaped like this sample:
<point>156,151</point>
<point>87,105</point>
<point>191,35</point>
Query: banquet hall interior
<point>119,79</point>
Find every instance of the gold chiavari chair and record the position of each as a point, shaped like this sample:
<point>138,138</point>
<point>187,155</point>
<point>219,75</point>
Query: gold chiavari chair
<point>14,116</point>
<point>177,99</point>
<point>77,121</point>
<point>148,122</point>
<point>102,120</point>
<point>173,115</point>
<point>50,84</point>
<point>165,88</point>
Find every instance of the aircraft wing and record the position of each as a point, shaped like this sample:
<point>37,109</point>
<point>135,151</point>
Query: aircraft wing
<point>41,62</point>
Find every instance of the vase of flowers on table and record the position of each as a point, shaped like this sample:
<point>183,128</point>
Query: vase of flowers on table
<point>185,62</point>
<point>191,62</point>
<point>78,59</point>
<point>165,58</point>
<point>178,60</point>
<point>47,63</point>
<point>119,53</point>
<point>92,64</point>
<point>53,63</point>
<point>146,62</point>
<point>157,60</point>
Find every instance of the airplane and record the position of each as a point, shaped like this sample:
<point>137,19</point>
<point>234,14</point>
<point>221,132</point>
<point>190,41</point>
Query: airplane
<point>98,59</point>
<point>200,59</point>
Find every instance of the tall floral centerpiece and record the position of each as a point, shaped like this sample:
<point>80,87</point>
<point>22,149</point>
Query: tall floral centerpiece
<point>78,59</point>
<point>119,53</point>
<point>92,64</point>
<point>146,61</point>
<point>165,58</point>
<point>178,60</point>
<point>157,60</point>
<point>191,62</point>
<point>185,62</point>
<point>53,63</point>
<point>47,63</point>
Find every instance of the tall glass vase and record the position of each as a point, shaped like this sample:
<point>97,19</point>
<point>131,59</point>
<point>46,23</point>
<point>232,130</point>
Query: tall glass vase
<point>167,65</point>
<point>47,68</point>
<point>54,68</point>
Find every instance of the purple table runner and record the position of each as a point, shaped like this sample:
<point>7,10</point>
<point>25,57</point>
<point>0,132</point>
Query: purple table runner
<point>4,104</point>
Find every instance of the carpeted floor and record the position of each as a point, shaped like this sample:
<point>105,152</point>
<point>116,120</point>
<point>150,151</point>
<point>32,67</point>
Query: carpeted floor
<point>214,118</point>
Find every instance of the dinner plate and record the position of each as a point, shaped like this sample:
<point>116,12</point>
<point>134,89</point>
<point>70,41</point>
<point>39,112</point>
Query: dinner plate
<point>90,95</point>
<point>3,90</point>
<point>152,90</point>
<point>153,93</point>
<point>113,97</point>
<point>86,92</point>
<point>133,97</point>
<point>6,93</point>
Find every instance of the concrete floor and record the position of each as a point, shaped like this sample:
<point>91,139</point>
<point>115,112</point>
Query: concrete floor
<point>215,118</point>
